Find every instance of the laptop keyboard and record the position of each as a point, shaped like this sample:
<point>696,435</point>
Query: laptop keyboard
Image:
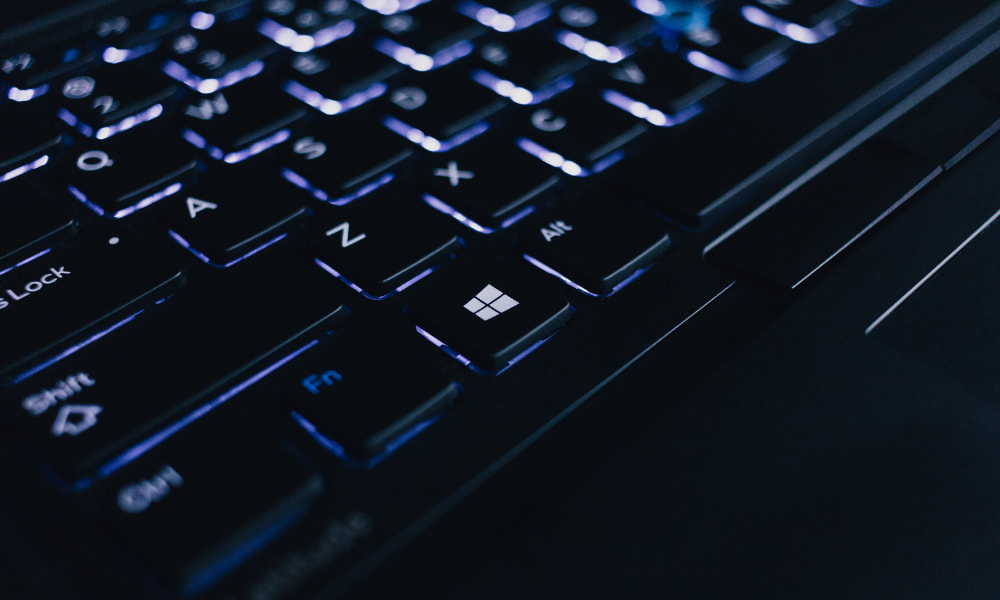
<point>260,247</point>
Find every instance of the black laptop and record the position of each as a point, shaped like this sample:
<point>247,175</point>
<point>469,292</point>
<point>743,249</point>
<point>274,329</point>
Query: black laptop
<point>499,299</point>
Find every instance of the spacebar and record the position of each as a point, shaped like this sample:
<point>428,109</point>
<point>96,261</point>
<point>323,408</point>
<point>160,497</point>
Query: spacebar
<point>105,405</point>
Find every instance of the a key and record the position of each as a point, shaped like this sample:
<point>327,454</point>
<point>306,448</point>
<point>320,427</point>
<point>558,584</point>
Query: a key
<point>242,121</point>
<point>491,316</point>
<point>126,173</point>
<point>592,243</point>
<point>428,37</point>
<point>487,184</point>
<point>185,358</point>
<point>342,160</point>
<point>527,66</point>
<point>75,291</point>
<point>794,238</point>
<point>578,133</point>
<point>210,60</point>
<point>440,110</point>
<point>218,491</point>
<point>344,399</point>
<point>34,139</point>
<point>733,48</point>
<point>304,25</point>
<point>341,77</point>
<point>39,225</point>
<point>658,86</point>
<point>805,21</point>
<point>383,242</point>
<point>601,30</point>
<point>115,98</point>
<point>232,214</point>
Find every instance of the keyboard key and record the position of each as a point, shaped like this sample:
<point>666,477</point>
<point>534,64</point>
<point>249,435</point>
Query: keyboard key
<point>344,398</point>
<point>805,21</point>
<point>341,77</point>
<point>383,242</point>
<point>528,66</point>
<point>440,110</point>
<point>592,244</point>
<point>797,236</point>
<point>32,74</point>
<point>506,15</point>
<point>34,139</point>
<point>131,34</point>
<point>186,357</point>
<point>658,86</point>
<point>342,160</point>
<point>227,216</point>
<point>430,36</point>
<point>219,57</point>
<point>36,225</point>
<point>205,501</point>
<point>304,25</point>
<point>489,317</point>
<point>126,173</point>
<point>115,98</point>
<point>74,291</point>
<point>487,184</point>
<point>242,121</point>
<point>734,49</point>
<point>601,30</point>
<point>578,133</point>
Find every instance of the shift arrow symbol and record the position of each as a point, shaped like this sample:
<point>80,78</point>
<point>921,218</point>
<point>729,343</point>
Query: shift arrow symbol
<point>74,419</point>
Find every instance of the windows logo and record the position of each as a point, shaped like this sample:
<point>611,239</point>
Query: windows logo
<point>489,303</point>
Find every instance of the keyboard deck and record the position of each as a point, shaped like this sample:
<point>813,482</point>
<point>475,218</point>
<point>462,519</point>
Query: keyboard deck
<point>285,280</point>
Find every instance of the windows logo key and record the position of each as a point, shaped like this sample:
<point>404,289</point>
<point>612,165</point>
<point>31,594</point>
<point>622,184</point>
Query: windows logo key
<point>489,303</point>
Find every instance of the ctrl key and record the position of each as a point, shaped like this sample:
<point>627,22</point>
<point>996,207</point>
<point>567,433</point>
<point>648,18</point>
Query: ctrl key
<point>201,503</point>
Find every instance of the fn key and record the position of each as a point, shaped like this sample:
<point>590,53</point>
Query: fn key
<point>204,501</point>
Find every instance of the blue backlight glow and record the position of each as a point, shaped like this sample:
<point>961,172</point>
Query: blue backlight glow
<point>751,73</point>
<point>793,31</point>
<point>19,95</point>
<point>338,450</point>
<point>592,48</point>
<point>26,261</point>
<point>330,106</point>
<point>504,22</point>
<point>361,291</point>
<point>647,113</point>
<point>208,261</point>
<point>213,84</point>
<point>73,349</point>
<point>551,158</point>
<point>146,445</point>
<point>432,144</point>
<point>319,194</point>
<point>300,42</point>
<point>418,61</point>
<point>39,162</point>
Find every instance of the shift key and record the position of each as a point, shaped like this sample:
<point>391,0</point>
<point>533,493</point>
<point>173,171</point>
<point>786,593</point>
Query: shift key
<point>95,411</point>
<point>69,295</point>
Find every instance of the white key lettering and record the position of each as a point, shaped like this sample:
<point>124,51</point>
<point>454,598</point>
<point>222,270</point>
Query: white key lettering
<point>138,497</point>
